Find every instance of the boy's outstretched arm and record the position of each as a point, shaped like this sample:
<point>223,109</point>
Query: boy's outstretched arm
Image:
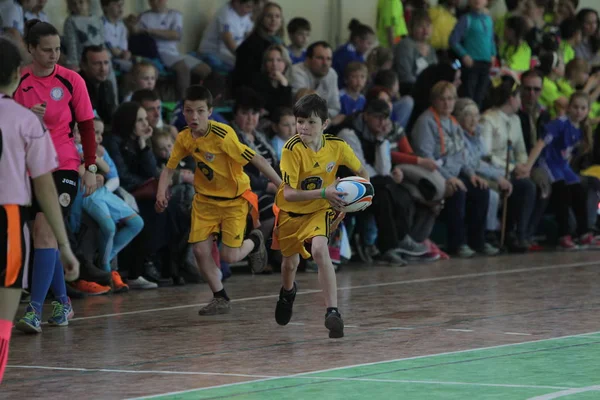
<point>263,166</point>
<point>162,201</point>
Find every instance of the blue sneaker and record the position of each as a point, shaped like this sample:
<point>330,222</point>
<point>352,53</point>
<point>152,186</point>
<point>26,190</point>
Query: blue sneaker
<point>61,314</point>
<point>31,321</point>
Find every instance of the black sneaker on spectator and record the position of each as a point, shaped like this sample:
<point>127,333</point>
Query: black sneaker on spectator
<point>141,284</point>
<point>257,259</point>
<point>335,324</point>
<point>178,281</point>
<point>392,257</point>
<point>283,310</point>
<point>218,305</point>
<point>372,251</point>
<point>89,272</point>
<point>409,247</point>
<point>151,272</point>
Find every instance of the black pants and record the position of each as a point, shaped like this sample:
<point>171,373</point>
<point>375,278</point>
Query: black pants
<point>521,206</point>
<point>390,207</point>
<point>152,239</point>
<point>565,197</point>
<point>476,81</point>
<point>466,214</point>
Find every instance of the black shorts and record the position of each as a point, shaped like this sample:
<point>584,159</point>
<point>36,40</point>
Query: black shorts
<point>14,245</point>
<point>67,184</point>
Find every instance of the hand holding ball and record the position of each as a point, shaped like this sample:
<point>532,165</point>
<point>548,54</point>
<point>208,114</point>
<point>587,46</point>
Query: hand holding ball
<point>357,193</point>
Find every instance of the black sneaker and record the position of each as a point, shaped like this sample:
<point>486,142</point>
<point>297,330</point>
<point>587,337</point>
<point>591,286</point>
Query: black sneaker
<point>335,324</point>
<point>258,258</point>
<point>283,311</point>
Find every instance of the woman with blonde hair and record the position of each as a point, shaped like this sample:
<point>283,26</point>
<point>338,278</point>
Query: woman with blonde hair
<point>268,30</point>
<point>438,136</point>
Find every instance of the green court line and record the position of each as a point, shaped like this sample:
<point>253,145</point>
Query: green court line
<point>518,371</point>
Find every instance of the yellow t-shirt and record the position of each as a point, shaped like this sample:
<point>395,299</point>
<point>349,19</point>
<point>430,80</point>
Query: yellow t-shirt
<point>442,24</point>
<point>220,160</point>
<point>550,93</point>
<point>567,51</point>
<point>304,169</point>
<point>516,58</point>
<point>390,13</point>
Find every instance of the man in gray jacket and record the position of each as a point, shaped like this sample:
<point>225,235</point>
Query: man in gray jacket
<point>315,73</point>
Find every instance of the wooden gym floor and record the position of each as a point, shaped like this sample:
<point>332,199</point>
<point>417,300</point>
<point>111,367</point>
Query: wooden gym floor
<point>510,327</point>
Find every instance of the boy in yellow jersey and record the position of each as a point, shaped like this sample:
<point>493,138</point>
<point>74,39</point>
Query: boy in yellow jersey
<point>223,198</point>
<point>306,203</point>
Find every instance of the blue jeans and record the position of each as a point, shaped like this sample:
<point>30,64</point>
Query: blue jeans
<point>113,240</point>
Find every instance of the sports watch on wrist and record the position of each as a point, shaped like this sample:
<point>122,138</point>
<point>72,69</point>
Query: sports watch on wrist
<point>93,168</point>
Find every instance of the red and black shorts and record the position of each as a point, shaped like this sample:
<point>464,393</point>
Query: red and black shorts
<point>14,245</point>
<point>67,184</point>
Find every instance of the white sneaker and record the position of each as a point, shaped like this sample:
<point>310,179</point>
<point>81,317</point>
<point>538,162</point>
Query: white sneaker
<point>141,283</point>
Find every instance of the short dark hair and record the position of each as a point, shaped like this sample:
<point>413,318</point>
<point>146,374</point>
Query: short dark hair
<point>281,112</point>
<point>310,51</point>
<point>298,24</point>
<point>96,48</point>
<point>247,99</point>
<point>569,27</point>
<point>418,17</point>
<point>518,25</point>
<point>139,96</point>
<point>36,29</point>
<point>198,93</point>
<point>10,61</point>
<point>386,78</point>
<point>106,3</point>
<point>503,91</point>
<point>532,73</point>
<point>310,105</point>
<point>359,30</point>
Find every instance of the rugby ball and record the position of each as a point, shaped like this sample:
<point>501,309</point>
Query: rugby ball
<point>359,193</point>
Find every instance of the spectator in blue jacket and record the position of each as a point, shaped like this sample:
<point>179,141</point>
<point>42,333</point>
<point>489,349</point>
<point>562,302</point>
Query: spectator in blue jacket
<point>361,40</point>
<point>473,41</point>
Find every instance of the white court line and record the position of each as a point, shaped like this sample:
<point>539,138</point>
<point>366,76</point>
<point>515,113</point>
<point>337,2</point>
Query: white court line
<point>460,330</point>
<point>567,392</point>
<point>311,378</point>
<point>162,372</point>
<point>365,365</point>
<point>129,371</point>
<point>407,282</point>
<point>517,333</point>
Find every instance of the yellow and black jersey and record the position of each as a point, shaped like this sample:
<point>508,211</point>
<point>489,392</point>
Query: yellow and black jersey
<point>304,169</point>
<point>220,160</point>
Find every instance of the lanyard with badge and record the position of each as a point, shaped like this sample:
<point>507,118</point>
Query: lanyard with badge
<point>441,132</point>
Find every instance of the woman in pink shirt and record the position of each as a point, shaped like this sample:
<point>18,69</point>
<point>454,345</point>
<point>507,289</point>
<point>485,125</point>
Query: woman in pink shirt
<point>58,96</point>
<point>25,147</point>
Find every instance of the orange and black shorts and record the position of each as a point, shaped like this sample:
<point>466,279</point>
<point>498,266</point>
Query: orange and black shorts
<point>14,245</point>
